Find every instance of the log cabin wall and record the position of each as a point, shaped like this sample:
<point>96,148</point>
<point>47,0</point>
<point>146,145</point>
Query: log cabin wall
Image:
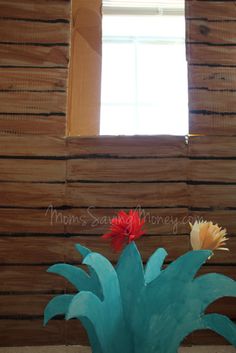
<point>57,191</point>
<point>34,55</point>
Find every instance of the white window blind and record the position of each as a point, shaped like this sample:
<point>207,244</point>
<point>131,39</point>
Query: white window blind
<point>166,7</point>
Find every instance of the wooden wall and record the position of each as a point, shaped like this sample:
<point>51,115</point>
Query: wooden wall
<point>173,181</point>
<point>34,55</point>
<point>211,53</point>
<point>87,180</point>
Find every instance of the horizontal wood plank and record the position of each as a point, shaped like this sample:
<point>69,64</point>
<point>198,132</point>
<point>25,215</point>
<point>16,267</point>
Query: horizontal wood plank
<point>12,31</point>
<point>212,146</point>
<point>212,77</point>
<point>28,170</point>
<point>33,55</point>
<point>210,10</point>
<point>18,305</point>
<point>212,171</point>
<point>32,102</point>
<point>26,279</point>
<point>24,221</point>
<point>128,146</point>
<point>31,333</point>
<point>51,125</point>
<point>32,146</point>
<point>33,79</point>
<point>38,10</point>
<point>225,218</point>
<point>175,245</point>
<point>97,221</point>
<point>108,169</point>
<point>205,337</point>
<point>31,194</point>
<point>45,250</point>
<point>217,196</point>
<point>59,332</point>
<point>88,221</point>
<point>213,101</point>
<point>127,194</point>
<point>201,31</point>
<point>208,54</point>
<point>30,279</point>
<point>221,125</point>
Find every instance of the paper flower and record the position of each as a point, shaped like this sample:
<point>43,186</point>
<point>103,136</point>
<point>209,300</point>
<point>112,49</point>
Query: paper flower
<point>208,236</point>
<point>124,229</point>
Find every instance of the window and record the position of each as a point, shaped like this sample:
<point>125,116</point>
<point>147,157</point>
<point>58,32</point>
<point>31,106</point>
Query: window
<point>144,68</point>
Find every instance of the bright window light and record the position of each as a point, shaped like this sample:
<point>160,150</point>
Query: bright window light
<point>144,75</point>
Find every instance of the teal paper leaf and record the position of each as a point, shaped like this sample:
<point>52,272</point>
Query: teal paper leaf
<point>154,265</point>
<point>57,306</point>
<point>130,273</point>
<point>222,325</point>
<point>106,316</point>
<point>213,286</point>
<point>76,276</point>
<point>129,310</point>
<point>82,250</point>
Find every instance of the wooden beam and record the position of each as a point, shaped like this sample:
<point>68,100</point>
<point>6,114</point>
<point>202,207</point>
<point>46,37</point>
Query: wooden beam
<point>85,69</point>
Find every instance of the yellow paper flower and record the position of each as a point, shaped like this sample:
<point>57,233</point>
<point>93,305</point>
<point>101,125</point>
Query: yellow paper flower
<point>207,236</point>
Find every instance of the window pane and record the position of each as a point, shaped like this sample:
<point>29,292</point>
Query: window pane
<point>144,75</point>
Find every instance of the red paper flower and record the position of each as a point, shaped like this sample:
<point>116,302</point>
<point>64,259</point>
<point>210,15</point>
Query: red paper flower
<point>124,229</point>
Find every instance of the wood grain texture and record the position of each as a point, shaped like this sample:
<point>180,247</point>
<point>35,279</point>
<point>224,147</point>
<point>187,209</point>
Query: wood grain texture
<point>45,250</point>
<point>127,194</point>
<point>225,218</point>
<point>207,54</point>
<point>212,146</point>
<point>216,78</point>
<point>51,125</point>
<point>18,305</point>
<point>207,196</point>
<point>32,102</point>
<point>212,124</point>
<point>212,171</point>
<point>26,170</point>
<point>202,31</point>
<point>49,250</point>
<point>210,10</point>
<point>128,146</point>
<point>96,221</point>
<point>31,333</point>
<point>32,146</point>
<point>16,194</point>
<point>213,101</point>
<point>31,279</point>
<point>101,169</point>
<point>88,221</point>
<point>42,79</point>
<point>28,221</point>
<point>59,332</point>
<point>13,31</point>
<point>206,337</point>
<point>26,279</point>
<point>39,9</point>
<point>34,55</point>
